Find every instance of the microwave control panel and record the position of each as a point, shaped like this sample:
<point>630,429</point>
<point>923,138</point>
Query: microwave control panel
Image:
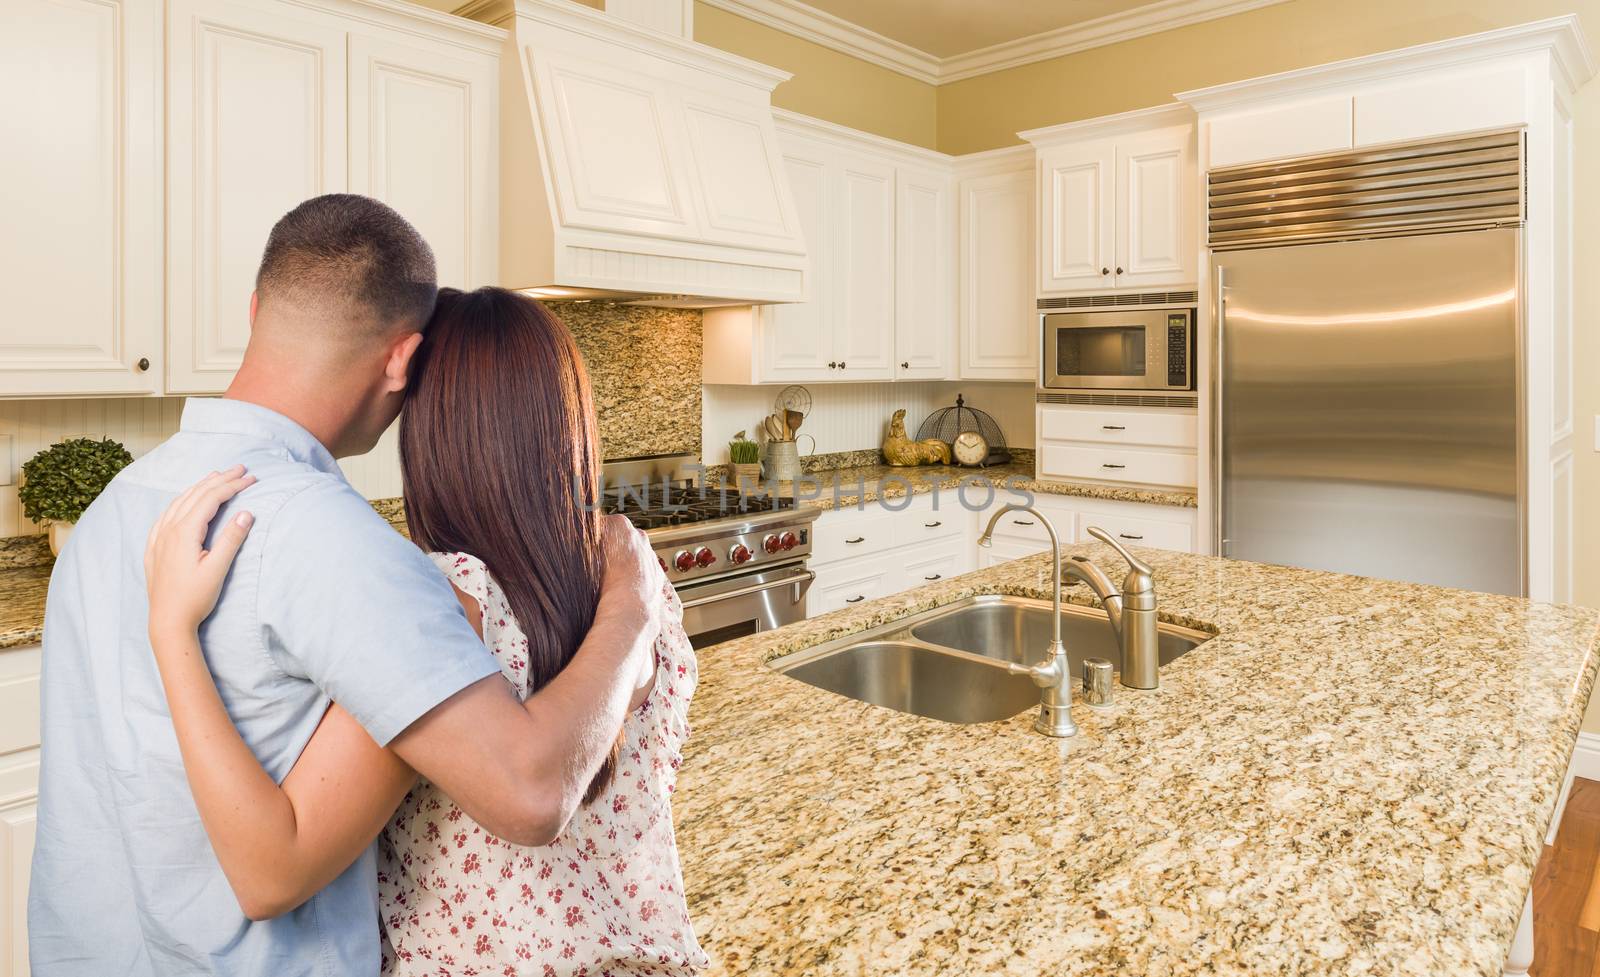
<point>1177,350</point>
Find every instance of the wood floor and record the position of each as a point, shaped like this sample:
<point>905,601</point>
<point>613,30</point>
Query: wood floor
<point>1566,892</point>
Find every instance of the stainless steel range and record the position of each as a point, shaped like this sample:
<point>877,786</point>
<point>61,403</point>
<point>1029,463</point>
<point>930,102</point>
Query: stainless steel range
<point>738,562</point>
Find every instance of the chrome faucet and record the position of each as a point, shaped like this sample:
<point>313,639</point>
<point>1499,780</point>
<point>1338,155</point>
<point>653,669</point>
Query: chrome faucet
<point>1131,610</point>
<point>1053,676</point>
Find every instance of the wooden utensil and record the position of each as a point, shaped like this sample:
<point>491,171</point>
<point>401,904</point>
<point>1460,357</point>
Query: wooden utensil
<point>793,417</point>
<point>774,429</point>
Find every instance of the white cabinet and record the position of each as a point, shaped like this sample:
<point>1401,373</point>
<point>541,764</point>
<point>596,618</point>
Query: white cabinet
<point>846,330</point>
<point>999,328</point>
<point>80,197</point>
<point>1076,216</point>
<point>1299,128</point>
<point>422,125</point>
<point>879,224</point>
<point>270,103</point>
<point>1117,203</point>
<point>852,582</point>
<point>925,274</point>
<point>19,795</point>
<point>1148,446</point>
<point>255,125</point>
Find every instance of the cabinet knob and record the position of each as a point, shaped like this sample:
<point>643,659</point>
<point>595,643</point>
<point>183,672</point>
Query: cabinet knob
<point>1105,271</point>
<point>143,364</point>
<point>1119,269</point>
<point>905,364</point>
<point>832,365</point>
<point>841,364</point>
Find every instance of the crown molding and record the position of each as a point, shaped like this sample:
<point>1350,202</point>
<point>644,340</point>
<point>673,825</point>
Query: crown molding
<point>1561,37</point>
<point>804,21</point>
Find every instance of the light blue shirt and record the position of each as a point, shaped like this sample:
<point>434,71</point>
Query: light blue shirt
<point>325,601</point>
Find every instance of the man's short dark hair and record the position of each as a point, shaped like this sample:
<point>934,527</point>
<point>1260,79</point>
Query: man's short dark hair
<point>345,254</point>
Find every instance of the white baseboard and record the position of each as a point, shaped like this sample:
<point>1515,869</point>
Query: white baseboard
<point>1585,764</point>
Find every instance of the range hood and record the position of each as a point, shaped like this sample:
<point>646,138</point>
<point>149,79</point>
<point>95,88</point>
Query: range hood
<point>639,166</point>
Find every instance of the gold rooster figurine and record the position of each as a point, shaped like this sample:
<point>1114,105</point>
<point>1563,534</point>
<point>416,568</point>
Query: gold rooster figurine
<point>901,451</point>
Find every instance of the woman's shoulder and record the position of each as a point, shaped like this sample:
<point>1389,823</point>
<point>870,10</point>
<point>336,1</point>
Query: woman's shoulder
<point>466,573</point>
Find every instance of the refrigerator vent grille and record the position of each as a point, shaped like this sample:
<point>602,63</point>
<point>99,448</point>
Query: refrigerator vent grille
<point>1447,184</point>
<point>1120,301</point>
<point>1121,400</point>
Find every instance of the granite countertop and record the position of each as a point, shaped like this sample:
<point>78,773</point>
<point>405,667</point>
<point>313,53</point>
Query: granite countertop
<point>1354,776</point>
<point>846,487</point>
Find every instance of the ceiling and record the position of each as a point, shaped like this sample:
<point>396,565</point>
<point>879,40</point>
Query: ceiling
<point>945,28</point>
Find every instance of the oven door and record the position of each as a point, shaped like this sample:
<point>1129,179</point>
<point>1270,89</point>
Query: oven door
<point>734,607</point>
<point>1139,349</point>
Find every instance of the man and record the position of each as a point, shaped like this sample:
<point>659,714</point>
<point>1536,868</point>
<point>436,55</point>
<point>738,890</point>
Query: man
<point>325,602</point>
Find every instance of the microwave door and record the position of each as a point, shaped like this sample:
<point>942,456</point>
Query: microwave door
<point>1098,353</point>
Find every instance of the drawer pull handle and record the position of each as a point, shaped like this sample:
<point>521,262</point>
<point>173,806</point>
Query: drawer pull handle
<point>937,576</point>
<point>1109,465</point>
<point>858,539</point>
<point>856,599</point>
<point>933,525</point>
<point>1023,522</point>
<point>1129,536</point>
<point>1112,427</point>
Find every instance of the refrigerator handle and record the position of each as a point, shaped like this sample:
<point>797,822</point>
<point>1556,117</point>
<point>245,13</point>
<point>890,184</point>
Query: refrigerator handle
<point>1220,544</point>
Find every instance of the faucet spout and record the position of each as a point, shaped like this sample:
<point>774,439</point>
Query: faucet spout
<point>1053,676</point>
<point>1079,568</point>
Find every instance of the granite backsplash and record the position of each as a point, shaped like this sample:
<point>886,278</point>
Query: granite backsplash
<point>644,365</point>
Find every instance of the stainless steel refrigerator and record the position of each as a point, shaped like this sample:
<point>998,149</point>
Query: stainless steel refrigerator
<point>1367,407</point>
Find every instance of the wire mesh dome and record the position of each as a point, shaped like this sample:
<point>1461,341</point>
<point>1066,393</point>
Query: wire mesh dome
<point>947,423</point>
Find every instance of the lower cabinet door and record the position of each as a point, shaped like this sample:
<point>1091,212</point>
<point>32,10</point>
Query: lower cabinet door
<point>932,565</point>
<point>851,582</point>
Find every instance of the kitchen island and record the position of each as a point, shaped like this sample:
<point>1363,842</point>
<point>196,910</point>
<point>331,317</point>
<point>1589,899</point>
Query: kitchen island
<point>1353,776</point>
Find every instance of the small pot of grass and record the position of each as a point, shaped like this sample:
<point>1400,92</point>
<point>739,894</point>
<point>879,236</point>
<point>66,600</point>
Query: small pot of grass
<point>745,456</point>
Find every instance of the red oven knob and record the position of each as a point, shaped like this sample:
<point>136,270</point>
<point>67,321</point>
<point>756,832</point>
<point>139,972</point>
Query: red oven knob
<point>772,543</point>
<point>739,553</point>
<point>788,541</point>
<point>704,556</point>
<point>684,561</point>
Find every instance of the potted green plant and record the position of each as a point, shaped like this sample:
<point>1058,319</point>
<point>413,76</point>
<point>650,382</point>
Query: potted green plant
<point>746,458</point>
<point>59,482</point>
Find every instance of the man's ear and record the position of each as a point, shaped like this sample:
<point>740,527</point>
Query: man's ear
<point>398,366</point>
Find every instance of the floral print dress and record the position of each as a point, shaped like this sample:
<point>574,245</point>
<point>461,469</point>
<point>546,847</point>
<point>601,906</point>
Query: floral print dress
<point>605,899</point>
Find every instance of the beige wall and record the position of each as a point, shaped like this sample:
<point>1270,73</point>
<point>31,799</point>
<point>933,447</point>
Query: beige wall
<point>826,84</point>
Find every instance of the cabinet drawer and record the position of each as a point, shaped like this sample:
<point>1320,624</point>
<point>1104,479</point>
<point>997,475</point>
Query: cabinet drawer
<point>19,699</point>
<point>1162,534</point>
<point>1024,527</point>
<point>1165,429</point>
<point>922,525</point>
<point>930,566</point>
<point>849,533</point>
<point>849,583</point>
<point>1113,464</point>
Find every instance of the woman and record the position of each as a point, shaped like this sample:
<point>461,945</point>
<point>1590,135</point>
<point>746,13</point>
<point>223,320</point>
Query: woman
<point>498,446</point>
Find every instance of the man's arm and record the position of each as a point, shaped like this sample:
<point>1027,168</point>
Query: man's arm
<point>520,769</point>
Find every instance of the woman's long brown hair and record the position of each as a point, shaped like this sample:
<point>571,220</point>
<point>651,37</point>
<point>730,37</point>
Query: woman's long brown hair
<point>498,448</point>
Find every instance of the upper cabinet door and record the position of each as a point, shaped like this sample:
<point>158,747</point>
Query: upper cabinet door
<point>255,125</point>
<point>797,338</point>
<point>1076,240</point>
<point>738,172</point>
<point>1156,219</point>
<point>624,166</point>
<point>863,266</point>
<point>424,140</point>
<point>80,197</point>
<point>925,279</point>
<point>999,327</point>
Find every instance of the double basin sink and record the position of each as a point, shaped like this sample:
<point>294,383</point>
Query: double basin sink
<point>950,663</point>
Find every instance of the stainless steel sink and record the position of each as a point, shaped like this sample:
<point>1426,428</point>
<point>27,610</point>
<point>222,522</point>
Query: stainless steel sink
<point>919,680</point>
<point>950,663</point>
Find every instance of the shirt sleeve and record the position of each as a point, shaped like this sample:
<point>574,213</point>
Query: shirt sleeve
<point>351,605</point>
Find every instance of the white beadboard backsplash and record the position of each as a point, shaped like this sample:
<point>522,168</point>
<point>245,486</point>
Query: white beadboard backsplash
<point>855,416</point>
<point>140,424</point>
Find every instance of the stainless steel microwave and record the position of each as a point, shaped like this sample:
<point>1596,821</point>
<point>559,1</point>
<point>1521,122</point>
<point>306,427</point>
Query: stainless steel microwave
<point>1135,349</point>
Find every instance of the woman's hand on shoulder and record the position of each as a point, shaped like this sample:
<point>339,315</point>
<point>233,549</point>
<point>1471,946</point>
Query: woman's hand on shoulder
<point>182,577</point>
